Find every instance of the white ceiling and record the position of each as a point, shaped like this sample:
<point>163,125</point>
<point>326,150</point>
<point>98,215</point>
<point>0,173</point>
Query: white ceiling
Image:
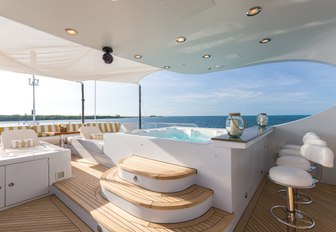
<point>299,29</point>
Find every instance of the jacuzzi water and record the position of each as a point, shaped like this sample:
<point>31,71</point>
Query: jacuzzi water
<point>198,135</point>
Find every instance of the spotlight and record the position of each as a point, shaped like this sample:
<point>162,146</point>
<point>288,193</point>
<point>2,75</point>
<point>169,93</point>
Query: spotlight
<point>107,57</point>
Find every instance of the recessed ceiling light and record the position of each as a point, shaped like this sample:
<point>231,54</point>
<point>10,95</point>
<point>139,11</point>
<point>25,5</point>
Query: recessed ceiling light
<point>181,39</point>
<point>71,31</point>
<point>253,11</point>
<point>166,67</point>
<point>265,40</point>
<point>206,56</point>
<point>137,56</point>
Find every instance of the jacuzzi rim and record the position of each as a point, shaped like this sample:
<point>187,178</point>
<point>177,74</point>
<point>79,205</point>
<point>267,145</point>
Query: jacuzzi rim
<point>175,140</point>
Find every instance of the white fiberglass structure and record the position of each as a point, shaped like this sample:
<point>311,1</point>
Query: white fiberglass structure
<point>191,37</point>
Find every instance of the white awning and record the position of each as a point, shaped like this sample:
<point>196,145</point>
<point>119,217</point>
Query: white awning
<point>26,50</point>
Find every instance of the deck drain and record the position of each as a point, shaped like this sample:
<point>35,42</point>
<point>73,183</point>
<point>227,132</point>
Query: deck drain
<point>135,178</point>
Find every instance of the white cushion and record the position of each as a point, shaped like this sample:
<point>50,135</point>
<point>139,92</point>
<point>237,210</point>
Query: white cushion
<point>318,154</point>
<point>290,152</point>
<point>97,136</point>
<point>289,176</point>
<point>22,143</point>
<point>315,141</point>
<point>86,131</point>
<point>8,136</point>
<point>309,135</point>
<point>294,161</point>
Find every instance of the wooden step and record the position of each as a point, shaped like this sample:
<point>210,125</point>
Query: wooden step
<point>155,169</point>
<point>189,197</point>
<point>82,190</point>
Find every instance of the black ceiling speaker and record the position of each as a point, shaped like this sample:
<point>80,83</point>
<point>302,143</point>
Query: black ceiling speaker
<point>107,57</point>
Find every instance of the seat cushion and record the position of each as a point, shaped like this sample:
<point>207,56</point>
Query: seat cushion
<point>316,142</point>
<point>290,152</point>
<point>8,135</point>
<point>86,131</point>
<point>309,135</point>
<point>318,154</point>
<point>289,176</point>
<point>294,161</point>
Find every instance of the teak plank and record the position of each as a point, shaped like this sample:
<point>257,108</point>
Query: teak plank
<point>155,169</point>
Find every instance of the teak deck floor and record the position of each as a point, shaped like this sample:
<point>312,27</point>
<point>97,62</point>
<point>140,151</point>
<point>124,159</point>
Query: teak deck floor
<point>50,215</point>
<point>84,189</point>
<point>257,217</point>
<point>45,214</point>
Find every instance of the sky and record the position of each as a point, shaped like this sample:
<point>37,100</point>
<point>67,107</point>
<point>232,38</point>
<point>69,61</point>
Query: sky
<point>284,88</point>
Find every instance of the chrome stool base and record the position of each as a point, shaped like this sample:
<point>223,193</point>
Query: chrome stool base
<point>300,198</point>
<point>301,221</point>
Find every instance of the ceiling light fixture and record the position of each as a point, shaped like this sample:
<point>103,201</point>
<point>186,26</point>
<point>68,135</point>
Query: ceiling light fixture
<point>265,41</point>
<point>138,56</point>
<point>206,56</point>
<point>71,31</point>
<point>253,11</point>
<point>166,67</point>
<point>107,57</point>
<point>181,39</point>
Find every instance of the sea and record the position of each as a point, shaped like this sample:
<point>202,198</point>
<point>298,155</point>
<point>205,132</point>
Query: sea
<point>208,121</point>
<point>199,121</point>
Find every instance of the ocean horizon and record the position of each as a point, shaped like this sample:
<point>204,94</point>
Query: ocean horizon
<point>159,121</point>
<point>212,121</point>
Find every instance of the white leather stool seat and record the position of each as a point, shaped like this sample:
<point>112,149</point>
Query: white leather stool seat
<point>294,161</point>
<point>290,152</point>
<point>289,176</point>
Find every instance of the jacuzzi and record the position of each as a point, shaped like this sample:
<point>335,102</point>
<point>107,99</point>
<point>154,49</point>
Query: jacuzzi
<point>186,134</point>
<point>232,173</point>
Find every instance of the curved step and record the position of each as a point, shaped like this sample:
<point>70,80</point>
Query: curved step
<point>84,191</point>
<point>154,206</point>
<point>156,175</point>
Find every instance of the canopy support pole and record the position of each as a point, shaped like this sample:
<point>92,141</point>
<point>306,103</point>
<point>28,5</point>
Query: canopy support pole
<point>95,101</point>
<point>139,106</point>
<point>83,100</point>
<point>33,82</point>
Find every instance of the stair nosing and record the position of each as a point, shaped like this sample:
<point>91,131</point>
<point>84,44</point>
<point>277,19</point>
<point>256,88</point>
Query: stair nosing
<point>151,203</point>
<point>190,172</point>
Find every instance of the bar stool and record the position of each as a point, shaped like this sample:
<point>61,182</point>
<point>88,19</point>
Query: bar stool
<point>294,178</point>
<point>308,135</point>
<point>294,158</point>
<point>296,151</point>
<point>300,163</point>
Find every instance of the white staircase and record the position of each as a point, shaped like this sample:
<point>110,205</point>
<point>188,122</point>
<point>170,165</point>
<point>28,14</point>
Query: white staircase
<point>156,191</point>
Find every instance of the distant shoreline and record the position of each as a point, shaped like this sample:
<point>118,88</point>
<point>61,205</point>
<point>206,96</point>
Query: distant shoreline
<point>26,118</point>
<point>17,117</point>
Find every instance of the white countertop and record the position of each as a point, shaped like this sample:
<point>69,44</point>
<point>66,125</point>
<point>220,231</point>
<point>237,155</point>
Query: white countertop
<point>44,150</point>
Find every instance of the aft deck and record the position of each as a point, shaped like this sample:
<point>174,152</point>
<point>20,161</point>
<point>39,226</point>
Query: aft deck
<point>49,214</point>
<point>45,214</point>
<point>258,218</point>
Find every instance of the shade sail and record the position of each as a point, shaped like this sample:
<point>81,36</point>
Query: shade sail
<point>26,50</point>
